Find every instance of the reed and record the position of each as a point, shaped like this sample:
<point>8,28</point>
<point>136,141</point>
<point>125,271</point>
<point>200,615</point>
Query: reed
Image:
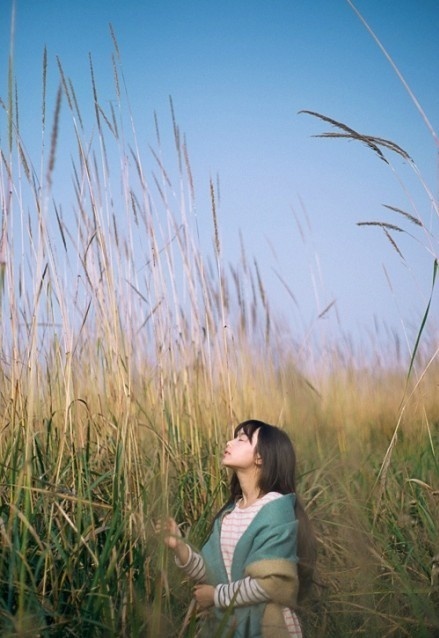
<point>128,351</point>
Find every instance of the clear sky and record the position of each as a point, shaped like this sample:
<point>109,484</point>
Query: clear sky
<point>239,72</point>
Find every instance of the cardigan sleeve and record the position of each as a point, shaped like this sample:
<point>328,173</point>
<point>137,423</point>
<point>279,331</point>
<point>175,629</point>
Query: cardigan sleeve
<point>278,578</point>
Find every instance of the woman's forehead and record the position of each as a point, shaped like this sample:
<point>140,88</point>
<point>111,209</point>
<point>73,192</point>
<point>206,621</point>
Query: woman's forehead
<point>249,429</point>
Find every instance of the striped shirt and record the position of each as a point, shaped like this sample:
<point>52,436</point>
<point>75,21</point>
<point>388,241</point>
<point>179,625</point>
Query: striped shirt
<point>245,591</point>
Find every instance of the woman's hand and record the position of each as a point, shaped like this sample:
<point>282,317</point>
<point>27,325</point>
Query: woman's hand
<point>170,531</point>
<point>173,539</point>
<point>204,595</point>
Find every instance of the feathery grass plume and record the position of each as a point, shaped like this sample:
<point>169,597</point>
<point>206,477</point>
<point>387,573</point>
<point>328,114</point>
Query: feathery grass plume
<point>287,288</point>
<point>177,137</point>
<point>393,243</point>
<point>64,84</point>
<point>414,220</point>
<point>95,93</point>
<point>386,227</point>
<point>6,165</point>
<point>243,256</point>
<point>75,104</point>
<point>163,171</point>
<point>54,138</point>
<point>372,141</point>
<point>106,120</point>
<point>24,163</point>
<point>325,311</point>
<point>157,129</point>
<point>115,44</point>
<point>60,225</point>
<point>260,285</point>
<point>114,127</point>
<point>116,78</point>
<point>215,221</point>
<point>263,297</point>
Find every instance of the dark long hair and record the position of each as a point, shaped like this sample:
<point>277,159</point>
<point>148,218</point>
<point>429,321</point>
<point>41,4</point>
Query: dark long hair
<point>278,474</point>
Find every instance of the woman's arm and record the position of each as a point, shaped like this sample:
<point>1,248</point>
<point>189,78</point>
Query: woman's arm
<point>194,566</point>
<point>191,562</point>
<point>245,591</point>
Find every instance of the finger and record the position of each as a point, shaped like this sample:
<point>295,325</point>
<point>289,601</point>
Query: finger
<point>159,528</point>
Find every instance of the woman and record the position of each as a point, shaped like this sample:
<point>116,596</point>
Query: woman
<point>259,558</point>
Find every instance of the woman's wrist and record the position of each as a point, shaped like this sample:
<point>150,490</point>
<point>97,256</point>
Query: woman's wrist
<point>182,553</point>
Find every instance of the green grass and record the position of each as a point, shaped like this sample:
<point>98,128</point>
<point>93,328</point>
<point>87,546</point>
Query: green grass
<point>80,557</point>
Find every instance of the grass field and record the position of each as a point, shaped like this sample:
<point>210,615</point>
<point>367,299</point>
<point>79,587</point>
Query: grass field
<point>127,355</point>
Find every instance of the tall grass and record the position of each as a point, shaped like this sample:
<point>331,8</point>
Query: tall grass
<point>128,351</point>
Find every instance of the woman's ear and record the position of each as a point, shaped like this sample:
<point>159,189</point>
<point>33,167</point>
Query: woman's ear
<point>258,460</point>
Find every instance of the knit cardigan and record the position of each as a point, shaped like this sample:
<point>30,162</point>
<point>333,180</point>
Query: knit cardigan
<point>267,551</point>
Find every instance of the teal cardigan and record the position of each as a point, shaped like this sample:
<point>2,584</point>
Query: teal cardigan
<point>267,550</point>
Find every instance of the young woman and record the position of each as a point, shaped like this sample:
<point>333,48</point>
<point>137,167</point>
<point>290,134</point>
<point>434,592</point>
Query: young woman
<point>259,558</point>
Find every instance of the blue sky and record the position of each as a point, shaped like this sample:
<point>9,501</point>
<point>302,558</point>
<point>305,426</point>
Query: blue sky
<point>239,72</point>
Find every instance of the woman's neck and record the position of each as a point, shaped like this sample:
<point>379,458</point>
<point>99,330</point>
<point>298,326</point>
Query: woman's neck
<point>250,489</point>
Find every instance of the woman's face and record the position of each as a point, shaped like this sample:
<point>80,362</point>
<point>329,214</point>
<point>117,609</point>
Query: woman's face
<point>240,452</point>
